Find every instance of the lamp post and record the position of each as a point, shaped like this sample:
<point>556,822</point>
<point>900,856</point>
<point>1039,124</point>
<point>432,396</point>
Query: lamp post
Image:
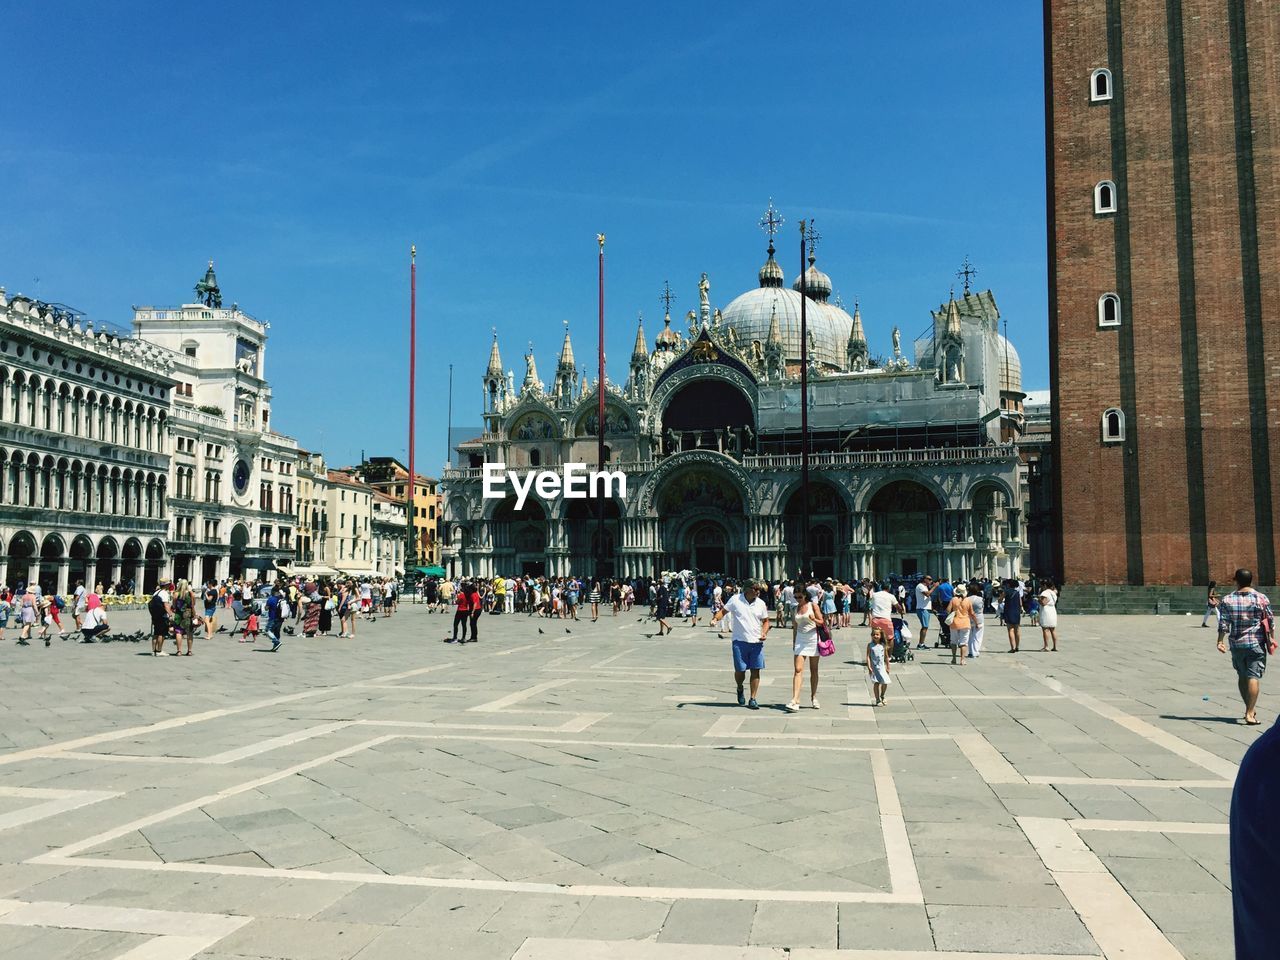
<point>804,404</point>
<point>600,416</point>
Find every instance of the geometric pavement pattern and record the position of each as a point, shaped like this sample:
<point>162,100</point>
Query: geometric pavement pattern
<point>586,790</point>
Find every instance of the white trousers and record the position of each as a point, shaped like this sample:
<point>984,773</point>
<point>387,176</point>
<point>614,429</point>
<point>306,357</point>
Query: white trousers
<point>975,639</point>
<point>509,602</point>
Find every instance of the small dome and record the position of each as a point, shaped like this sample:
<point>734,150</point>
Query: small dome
<point>817,284</point>
<point>771,274</point>
<point>1010,366</point>
<point>666,338</point>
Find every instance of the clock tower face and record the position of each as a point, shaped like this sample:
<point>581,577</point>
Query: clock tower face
<point>240,477</point>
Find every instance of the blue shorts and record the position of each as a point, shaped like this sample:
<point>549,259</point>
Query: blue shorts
<point>923,614</point>
<point>748,656</point>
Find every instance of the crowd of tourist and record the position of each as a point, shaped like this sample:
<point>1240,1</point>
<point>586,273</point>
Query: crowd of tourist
<point>180,611</point>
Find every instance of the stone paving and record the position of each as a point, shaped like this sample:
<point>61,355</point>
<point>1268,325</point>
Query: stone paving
<point>575,790</point>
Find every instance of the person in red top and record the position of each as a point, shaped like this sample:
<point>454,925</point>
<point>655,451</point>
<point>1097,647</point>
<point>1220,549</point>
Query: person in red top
<point>461,614</point>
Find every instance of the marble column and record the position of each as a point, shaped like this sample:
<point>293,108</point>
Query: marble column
<point>90,573</point>
<point>64,570</point>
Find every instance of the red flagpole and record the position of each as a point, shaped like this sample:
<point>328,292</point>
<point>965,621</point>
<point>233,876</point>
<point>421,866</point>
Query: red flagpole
<point>600,416</point>
<point>804,410</point>
<point>411,551</point>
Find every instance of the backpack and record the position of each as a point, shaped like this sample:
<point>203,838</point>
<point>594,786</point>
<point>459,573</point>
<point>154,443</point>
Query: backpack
<point>59,603</point>
<point>156,605</point>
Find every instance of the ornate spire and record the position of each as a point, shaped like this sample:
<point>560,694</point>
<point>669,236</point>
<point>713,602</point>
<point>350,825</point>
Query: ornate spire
<point>641,350</point>
<point>856,349</point>
<point>495,359</point>
<point>775,330</point>
<point>566,350</point>
<point>952,325</point>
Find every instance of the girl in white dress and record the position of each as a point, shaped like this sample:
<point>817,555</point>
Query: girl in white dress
<point>878,665</point>
<point>804,639</point>
<point>1049,616</point>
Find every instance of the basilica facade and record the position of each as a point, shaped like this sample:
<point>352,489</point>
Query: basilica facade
<point>913,465</point>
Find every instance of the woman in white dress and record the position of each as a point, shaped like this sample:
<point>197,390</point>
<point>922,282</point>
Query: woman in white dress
<point>1049,616</point>
<point>804,639</point>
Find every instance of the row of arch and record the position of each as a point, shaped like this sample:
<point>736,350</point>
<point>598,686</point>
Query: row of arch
<point>58,565</point>
<point>50,404</point>
<point>30,480</point>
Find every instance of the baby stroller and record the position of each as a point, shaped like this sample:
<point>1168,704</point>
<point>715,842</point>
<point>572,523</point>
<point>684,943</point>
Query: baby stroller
<point>901,642</point>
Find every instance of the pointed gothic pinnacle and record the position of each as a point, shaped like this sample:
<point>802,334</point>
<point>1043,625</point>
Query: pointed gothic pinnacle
<point>775,331</point>
<point>856,333</point>
<point>495,359</point>
<point>641,350</point>
<point>566,351</point>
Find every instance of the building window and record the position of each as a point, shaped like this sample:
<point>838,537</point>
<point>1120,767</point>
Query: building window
<point>1109,310</point>
<point>1100,85</point>
<point>535,458</point>
<point>1104,197</point>
<point>1112,425</point>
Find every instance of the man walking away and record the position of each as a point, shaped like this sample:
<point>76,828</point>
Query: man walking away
<point>923,603</point>
<point>1246,623</point>
<point>750,628</point>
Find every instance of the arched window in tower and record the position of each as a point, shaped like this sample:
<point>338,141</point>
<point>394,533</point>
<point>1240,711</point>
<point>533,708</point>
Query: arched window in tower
<point>1109,310</point>
<point>1112,425</point>
<point>1104,197</point>
<point>1100,85</point>
<point>535,457</point>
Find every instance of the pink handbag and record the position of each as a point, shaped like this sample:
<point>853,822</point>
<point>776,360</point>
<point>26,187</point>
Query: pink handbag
<point>826,646</point>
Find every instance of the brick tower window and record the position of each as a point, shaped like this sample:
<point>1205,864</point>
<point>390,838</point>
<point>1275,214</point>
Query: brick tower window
<point>1100,85</point>
<point>1108,310</point>
<point>1104,197</point>
<point>1112,425</point>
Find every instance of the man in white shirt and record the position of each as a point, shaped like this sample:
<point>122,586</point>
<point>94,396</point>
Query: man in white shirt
<point>924,598</point>
<point>509,596</point>
<point>883,607</point>
<point>750,618</point>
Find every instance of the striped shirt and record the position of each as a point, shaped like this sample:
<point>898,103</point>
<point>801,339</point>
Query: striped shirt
<point>1242,615</point>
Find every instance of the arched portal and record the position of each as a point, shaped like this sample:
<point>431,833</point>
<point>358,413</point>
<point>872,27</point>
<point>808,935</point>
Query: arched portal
<point>829,530</point>
<point>582,529</point>
<point>708,414</point>
<point>81,555</point>
<point>52,550</point>
<point>520,538</point>
<point>239,543</point>
<point>22,558</point>
<point>904,518</point>
<point>991,530</point>
<point>154,560</point>
<point>703,522</point>
<point>131,565</point>
<point>108,565</point>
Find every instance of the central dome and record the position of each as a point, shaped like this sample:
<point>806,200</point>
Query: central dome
<point>829,325</point>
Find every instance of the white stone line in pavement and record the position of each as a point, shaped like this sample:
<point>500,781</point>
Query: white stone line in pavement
<point>613,891</point>
<point>617,656</point>
<point>177,935</point>
<point>540,948</point>
<point>986,759</point>
<point>638,745</point>
<point>1112,917</point>
<point>903,879</point>
<point>858,711</point>
<point>502,703</point>
<point>227,756</point>
<point>982,696</point>
<point>728,726</point>
<point>432,687</point>
<point>175,722</point>
<point>576,723</point>
<point>520,649</point>
<point>1148,731</point>
<point>1120,782</point>
<point>1151,826</point>
<point>55,802</point>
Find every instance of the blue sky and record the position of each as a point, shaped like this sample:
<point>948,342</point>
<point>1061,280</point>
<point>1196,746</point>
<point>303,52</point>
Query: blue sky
<point>304,147</point>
